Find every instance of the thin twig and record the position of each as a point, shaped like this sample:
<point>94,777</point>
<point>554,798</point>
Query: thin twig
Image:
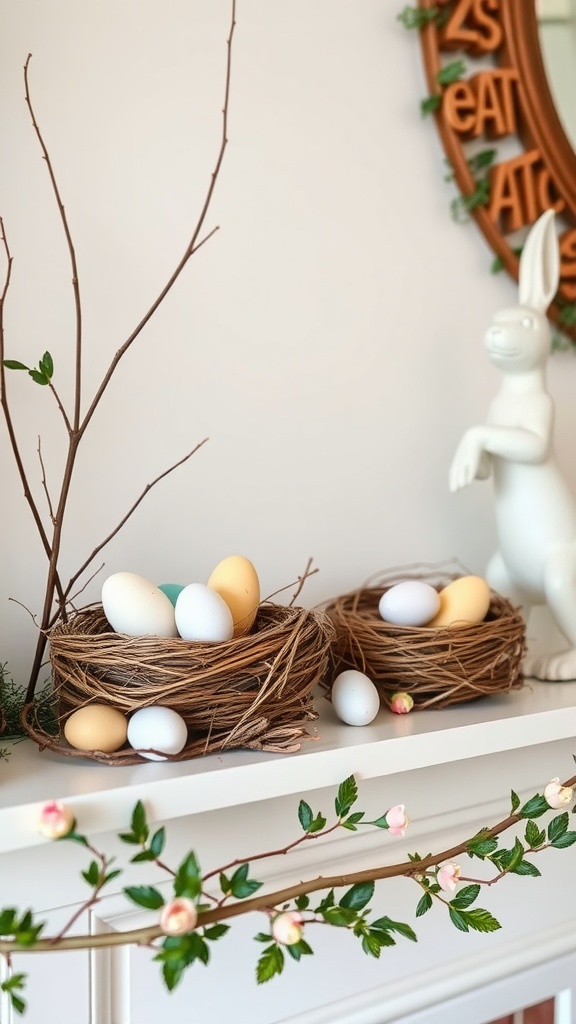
<point>71,250</point>
<point>44,483</point>
<point>130,511</point>
<point>300,581</point>
<point>61,407</point>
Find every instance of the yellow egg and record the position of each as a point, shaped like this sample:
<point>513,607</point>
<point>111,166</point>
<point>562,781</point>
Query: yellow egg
<point>96,727</point>
<point>463,602</point>
<point>236,580</point>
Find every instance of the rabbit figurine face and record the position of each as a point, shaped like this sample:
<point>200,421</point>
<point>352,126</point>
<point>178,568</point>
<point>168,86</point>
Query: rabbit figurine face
<point>518,340</point>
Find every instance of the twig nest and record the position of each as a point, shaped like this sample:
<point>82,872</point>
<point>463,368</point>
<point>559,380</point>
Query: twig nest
<point>252,691</point>
<point>437,666</point>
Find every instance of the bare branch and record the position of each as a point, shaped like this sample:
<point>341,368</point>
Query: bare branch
<point>71,250</point>
<point>130,511</point>
<point>44,484</point>
<point>300,581</point>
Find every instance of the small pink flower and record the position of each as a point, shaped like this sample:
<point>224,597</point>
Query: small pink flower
<point>448,876</point>
<point>178,917</point>
<point>397,820</point>
<point>557,795</point>
<point>56,820</point>
<point>287,928</point>
<point>401,703</point>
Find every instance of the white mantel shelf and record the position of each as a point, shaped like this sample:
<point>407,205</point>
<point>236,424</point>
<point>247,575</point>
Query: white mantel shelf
<point>104,796</point>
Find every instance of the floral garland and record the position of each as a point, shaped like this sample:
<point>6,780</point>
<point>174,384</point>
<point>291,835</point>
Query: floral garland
<point>193,918</point>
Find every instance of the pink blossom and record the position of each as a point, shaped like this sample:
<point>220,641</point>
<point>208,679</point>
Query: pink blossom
<point>287,928</point>
<point>401,703</point>
<point>557,795</point>
<point>448,876</point>
<point>397,820</point>
<point>56,820</point>
<point>178,917</point>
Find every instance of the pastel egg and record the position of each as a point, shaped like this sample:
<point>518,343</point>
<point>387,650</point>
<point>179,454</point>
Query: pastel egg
<point>171,590</point>
<point>136,607</point>
<point>201,614</point>
<point>236,580</point>
<point>463,602</point>
<point>355,699</point>
<point>96,727</point>
<point>157,728</point>
<point>411,603</point>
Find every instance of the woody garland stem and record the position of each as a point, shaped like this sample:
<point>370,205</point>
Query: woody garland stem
<point>145,936</point>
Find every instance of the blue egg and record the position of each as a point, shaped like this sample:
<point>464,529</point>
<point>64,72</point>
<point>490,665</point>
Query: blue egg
<point>171,590</point>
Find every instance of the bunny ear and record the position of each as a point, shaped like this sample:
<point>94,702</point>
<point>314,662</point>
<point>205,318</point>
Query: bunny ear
<point>540,264</point>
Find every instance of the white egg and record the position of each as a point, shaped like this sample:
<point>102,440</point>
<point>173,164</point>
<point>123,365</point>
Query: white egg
<point>201,614</point>
<point>157,728</point>
<point>412,603</point>
<point>355,699</point>
<point>136,607</point>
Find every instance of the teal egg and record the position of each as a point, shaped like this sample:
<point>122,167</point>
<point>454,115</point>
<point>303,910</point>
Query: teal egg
<point>171,590</point>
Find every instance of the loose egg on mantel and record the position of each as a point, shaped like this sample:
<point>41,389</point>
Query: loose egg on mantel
<point>96,727</point>
<point>463,602</point>
<point>236,580</point>
<point>355,699</point>
<point>411,603</point>
<point>157,728</point>
<point>136,607</point>
<point>201,614</point>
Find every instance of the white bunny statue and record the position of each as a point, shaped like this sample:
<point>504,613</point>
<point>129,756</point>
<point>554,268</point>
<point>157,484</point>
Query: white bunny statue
<point>535,510</point>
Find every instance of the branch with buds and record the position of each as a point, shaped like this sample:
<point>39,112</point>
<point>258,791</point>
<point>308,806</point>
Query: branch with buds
<point>193,917</point>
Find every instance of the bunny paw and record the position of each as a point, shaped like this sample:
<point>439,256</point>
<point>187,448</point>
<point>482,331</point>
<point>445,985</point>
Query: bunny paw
<point>553,668</point>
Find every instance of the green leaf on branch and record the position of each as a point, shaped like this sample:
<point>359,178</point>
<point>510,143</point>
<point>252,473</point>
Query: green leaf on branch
<point>241,886</point>
<point>187,881</point>
<point>346,796</point>
<point>533,836</point>
<point>508,860</point>
<point>157,842</point>
<point>309,823</point>
<point>565,840</point>
<point>216,931</point>
<point>327,901</point>
<point>270,963</point>
<point>139,824</point>
<point>424,904</point>
<point>46,365</point>
<point>92,874</point>
<point>478,920</point>
<point>177,953</point>
<point>514,798</point>
<point>535,807</point>
<point>373,941</point>
<point>13,364</point>
<point>145,896</point>
<point>39,378</point>
<point>558,826</point>
<point>302,902</point>
<point>299,949</point>
<point>352,821</point>
<point>525,867</point>
<point>482,844</point>
<point>465,897</point>
<point>340,917</point>
<point>12,986</point>
<point>358,896</point>
<point>8,921</point>
<point>386,924</point>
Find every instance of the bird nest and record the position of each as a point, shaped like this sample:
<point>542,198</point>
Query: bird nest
<point>436,666</point>
<point>254,691</point>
